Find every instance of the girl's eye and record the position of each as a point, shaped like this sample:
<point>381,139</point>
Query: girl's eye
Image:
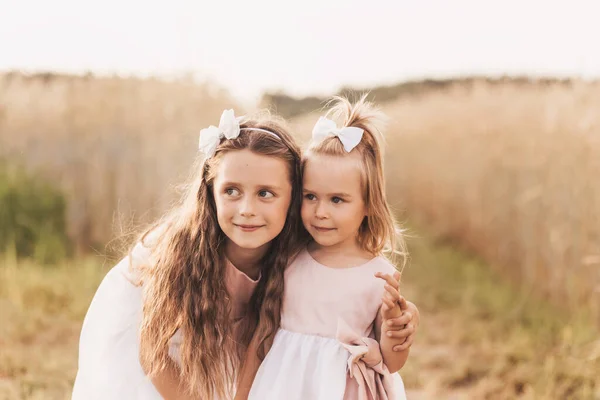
<point>232,192</point>
<point>265,194</point>
<point>310,196</point>
<point>337,200</point>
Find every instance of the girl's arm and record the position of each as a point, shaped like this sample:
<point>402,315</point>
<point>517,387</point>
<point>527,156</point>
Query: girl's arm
<point>393,359</point>
<point>249,369</point>
<point>395,312</point>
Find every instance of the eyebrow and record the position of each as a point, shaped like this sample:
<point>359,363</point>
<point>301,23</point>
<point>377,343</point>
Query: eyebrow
<point>341,194</point>
<point>265,187</point>
<point>270,187</point>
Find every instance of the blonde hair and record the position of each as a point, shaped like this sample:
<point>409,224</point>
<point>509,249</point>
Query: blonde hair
<point>378,232</point>
<point>185,288</point>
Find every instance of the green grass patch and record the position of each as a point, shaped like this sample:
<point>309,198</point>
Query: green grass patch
<point>32,217</point>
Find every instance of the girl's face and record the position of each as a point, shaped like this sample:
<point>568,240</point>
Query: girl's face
<point>252,193</point>
<point>332,206</point>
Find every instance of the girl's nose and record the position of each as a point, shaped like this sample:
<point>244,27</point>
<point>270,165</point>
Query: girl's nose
<point>321,211</point>
<point>247,208</point>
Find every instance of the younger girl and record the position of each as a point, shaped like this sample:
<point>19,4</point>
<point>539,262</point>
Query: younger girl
<point>174,318</point>
<point>335,342</point>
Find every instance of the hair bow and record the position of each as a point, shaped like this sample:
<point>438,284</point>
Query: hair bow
<point>229,127</point>
<point>350,136</point>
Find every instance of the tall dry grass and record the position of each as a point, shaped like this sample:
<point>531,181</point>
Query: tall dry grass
<point>508,170</point>
<point>113,145</point>
<point>512,174</point>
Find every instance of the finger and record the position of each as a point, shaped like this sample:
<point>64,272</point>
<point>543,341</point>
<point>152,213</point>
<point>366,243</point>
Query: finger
<point>389,279</point>
<point>384,306</point>
<point>403,333</point>
<point>392,292</point>
<point>400,321</point>
<point>388,296</point>
<point>395,328</point>
<point>398,276</point>
<point>390,303</point>
<point>409,330</point>
<point>403,304</point>
<point>407,343</point>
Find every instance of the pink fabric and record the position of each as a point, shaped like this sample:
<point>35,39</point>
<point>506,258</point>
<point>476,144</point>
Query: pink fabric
<point>365,366</point>
<point>240,287</point>
<point>341,303</point>
<point>316,295</point>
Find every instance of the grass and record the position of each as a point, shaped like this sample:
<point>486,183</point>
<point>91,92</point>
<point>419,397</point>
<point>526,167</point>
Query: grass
<point>42,310</point>
<point>483,338</point>
<point>504,170</point>
<point>479,339</point>
<point>113,146</point>
<point>502,166</point>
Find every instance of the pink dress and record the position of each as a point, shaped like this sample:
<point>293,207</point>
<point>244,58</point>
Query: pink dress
<point>109,366</point>
<point>325,348</point>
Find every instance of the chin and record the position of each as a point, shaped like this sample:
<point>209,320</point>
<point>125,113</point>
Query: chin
<point>249,243</point>
<point>325,242</point>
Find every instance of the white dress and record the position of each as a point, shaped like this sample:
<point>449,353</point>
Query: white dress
<point>325,348</point>
<point>109,367</point>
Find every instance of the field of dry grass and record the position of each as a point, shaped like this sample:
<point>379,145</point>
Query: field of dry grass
<point>42,310</point>
<point>115,146</point>
<point>511,175</point>
<point>480,338</point>
<point>505,172</point>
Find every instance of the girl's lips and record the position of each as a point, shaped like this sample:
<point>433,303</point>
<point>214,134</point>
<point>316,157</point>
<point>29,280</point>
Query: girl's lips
<point>321,229</point>
<point>249,228</point>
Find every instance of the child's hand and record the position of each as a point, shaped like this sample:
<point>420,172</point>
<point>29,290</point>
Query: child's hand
<point>403,327</point>
<point>392,302</point>
<point>397,313</point>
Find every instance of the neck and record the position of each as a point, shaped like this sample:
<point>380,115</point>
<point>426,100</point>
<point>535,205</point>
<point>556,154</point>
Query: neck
<point>349,247</point>
<point>246,260</point>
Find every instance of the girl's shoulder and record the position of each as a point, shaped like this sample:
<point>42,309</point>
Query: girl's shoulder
<point>142,250</point>
<point>383,265</point>
<point>377,264</point>
<point>140,255</point>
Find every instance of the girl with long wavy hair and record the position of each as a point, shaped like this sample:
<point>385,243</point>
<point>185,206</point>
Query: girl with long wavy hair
<point>175,317</point>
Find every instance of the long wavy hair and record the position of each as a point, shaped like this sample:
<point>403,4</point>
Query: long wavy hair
<point>184,285</point>
<point>378,232</point>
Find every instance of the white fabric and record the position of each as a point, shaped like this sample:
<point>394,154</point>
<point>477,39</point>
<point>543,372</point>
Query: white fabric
<point>301,366</point>
<point>350,136</point>
<point>229,128</point>
<point>109,366</point>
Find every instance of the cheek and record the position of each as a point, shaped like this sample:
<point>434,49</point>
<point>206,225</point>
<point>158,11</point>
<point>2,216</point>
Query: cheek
<point>359,216</point>
<point>305,210</point>
<point>223,208</point>
<point>278,212</point>
<point>351,217</point>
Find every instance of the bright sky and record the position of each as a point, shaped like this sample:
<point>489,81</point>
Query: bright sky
<point>303,47</point>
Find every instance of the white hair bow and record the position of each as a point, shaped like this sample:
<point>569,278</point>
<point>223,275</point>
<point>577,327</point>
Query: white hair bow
<point>229,127</point>
<point>350,136</point>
